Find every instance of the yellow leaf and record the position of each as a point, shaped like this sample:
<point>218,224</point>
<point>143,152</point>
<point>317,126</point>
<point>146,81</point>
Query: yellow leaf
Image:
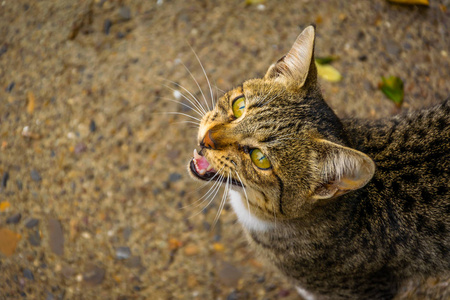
<point>254,2</point>
<point>219,247</point>
<point>412,2</point>
<point>31,102</point>
<point>329,73</point>
<point>4,205</point>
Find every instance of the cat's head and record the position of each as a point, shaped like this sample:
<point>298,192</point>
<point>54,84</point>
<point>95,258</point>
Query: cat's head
<point>278,138</point>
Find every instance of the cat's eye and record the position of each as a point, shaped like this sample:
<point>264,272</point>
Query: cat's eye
<point>260,159</point>
<point>238,106</point>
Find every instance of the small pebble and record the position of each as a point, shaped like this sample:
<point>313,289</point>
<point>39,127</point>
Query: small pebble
<point>123,252</point>
<point>283,293</point>
<point>92,126</point>
<point>3,49</point>
<point>133,262</point>
<point>68,272</point>
<point>270,287</point>
<point>34,238</point>
<point>125,13</point>
<point>206,226</point>
<point>107,26</point>
<point>55,236</point>
<point>120,35</point>
<point>49,296</point>
<point>10,87</point>
<point>35,175</point>
<point>127,233</point>
<point>362,57</point>
<point>174,177</point>
<point>30,223</point>
<point>228,274</point>
<point>79,148</point>
<point>14,219</point>
<point>19,184</point>
<point>233,295</point>
<point>5,178</point>
<point>392,48</point>
<point>28,274</point>
<point>261,279</point>
<point>94,275</point>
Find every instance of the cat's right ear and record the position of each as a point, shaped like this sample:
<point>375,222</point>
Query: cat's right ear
<point>298,64</point>
<point>342,170</point>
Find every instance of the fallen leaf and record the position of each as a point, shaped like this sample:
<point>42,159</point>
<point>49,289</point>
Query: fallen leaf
<point>324,60</point>
<point>191,250</point>
<point>4,205</point>
<point>31,102</point>
<point>392,87</point>
<point>174,244</point>
<point>329,73</point>
<point>254,2</point>
<point>412,2</point>
<point>218,247</point>
<point>8,241</point>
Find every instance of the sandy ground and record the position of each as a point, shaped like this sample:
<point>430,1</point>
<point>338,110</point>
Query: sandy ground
<point>93,169</point>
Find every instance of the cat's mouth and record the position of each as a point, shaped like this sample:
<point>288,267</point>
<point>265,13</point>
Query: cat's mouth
<point>203,170</point>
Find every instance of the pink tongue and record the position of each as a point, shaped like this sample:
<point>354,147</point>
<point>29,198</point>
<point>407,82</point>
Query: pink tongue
<point>202,163</point>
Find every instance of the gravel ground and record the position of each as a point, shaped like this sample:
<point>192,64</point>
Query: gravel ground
<point>93,183</point>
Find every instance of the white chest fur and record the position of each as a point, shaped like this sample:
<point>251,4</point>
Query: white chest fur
<point>305,294</point>
<point>249,221</point>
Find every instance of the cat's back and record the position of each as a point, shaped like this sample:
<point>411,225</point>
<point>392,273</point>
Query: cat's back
<point>410,145</point>
<point>411,182</point>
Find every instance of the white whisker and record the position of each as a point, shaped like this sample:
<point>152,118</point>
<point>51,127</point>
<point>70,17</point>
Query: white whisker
<point>217,182</point>
<point>198,85</point>
<point>188,122</point>
<point>200,106</point>
<point>204,72</point>
<point>185,105</point>
<point>182,114</point>
<point>207,195</point>
<point>222,202</point>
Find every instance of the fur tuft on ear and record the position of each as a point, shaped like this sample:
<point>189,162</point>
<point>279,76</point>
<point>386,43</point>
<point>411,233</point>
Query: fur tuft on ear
<point>298,64</point>
<point>342,170</point>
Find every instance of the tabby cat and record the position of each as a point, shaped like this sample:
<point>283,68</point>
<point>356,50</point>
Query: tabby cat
<point>346,209</point>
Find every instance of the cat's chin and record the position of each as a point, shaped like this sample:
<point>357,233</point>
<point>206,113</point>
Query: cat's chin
<point>200,168</point>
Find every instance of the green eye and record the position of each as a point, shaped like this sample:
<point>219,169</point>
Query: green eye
<point>238,106</point>
<point>259,159</point>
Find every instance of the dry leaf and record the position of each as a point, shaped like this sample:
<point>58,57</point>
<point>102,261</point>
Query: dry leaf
<point>392,87</point>
<point>31,102</point>
<point>329,73</point>
<point>412,2</point>
<point>4,205</point>
<point>254,2</point>
<point>8,241</point>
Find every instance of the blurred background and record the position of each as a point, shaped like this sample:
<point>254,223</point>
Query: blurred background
<point>93,168</point>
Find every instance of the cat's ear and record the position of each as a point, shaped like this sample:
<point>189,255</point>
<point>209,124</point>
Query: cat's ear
<point>298,65</point>
<point>342,170</point>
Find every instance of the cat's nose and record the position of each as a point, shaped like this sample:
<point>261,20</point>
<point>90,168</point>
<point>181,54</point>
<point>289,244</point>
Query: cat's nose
<point>207,141</point>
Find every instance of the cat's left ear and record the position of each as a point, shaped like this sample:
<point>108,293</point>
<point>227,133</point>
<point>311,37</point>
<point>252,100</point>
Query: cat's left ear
<point>298,65</point>
<point>341,169</point>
